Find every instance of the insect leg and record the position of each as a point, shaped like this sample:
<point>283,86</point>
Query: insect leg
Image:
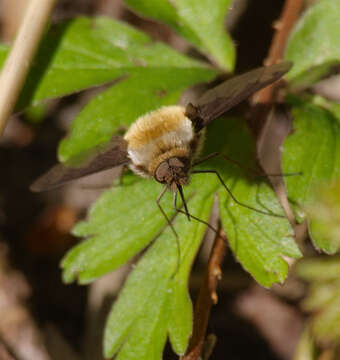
<point>255,171</point>
<point>159,197</point>
<point>231,194</point>
<point>192,216</point>
<point>179,187</point>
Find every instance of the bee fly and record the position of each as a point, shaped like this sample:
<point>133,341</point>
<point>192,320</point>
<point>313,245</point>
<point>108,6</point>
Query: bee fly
<point>165,143</point>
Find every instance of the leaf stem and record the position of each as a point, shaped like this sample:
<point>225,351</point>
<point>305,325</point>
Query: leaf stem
<point>207,297</point>
<point>20,58</point>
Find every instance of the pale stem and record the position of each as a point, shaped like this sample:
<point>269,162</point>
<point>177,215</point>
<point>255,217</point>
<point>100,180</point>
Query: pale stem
<point>20,57</point>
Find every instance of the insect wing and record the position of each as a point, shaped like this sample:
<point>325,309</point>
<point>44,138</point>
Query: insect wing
<point>114,154</point>
<point>221,98</point>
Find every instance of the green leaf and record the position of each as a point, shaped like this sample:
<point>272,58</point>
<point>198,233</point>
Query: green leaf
<point>199,22</point>
<point>86,52</point>
<point>314,45</point>
<point>314,149</point>
<point>126,219</point>
<point>165,12</point>
<point>258,241</point>
<point>331,106</point>
<point>123,103</point>
<point>334,108</point>
<point>114,233</point>
<point>153,294</point>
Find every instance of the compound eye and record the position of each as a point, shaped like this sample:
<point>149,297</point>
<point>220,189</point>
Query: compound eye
<point>176,162</point>
<point>162,172</point>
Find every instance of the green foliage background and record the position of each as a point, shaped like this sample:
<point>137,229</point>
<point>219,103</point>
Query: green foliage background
<point>143,75</point>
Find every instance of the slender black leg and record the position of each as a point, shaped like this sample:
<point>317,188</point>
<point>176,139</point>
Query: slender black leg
<point>171,226</point>
<point>180,190</point>
<point>192,216</point>
<point>231,194</point>
<point>254,171</point>
<point>159,197</point>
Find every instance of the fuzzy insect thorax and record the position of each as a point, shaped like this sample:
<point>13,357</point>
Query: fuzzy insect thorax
<point>162,144</point>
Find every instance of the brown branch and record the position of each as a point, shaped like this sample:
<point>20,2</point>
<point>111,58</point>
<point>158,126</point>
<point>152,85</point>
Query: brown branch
<point>283,26</point>
<point>206,298</point>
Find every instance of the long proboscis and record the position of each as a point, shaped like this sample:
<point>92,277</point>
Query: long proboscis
<point>180,190</point>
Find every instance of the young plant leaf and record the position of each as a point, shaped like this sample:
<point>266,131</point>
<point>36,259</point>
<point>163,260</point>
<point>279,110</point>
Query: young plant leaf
<point>121,104</point>
<point>314,149</point>
<point>314,45</point>
<point>331,106</point>
<point>190,18</point>
<point>86,52</point>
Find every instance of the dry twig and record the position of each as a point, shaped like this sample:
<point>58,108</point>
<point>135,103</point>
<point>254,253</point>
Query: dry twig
<point>207,297</point>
